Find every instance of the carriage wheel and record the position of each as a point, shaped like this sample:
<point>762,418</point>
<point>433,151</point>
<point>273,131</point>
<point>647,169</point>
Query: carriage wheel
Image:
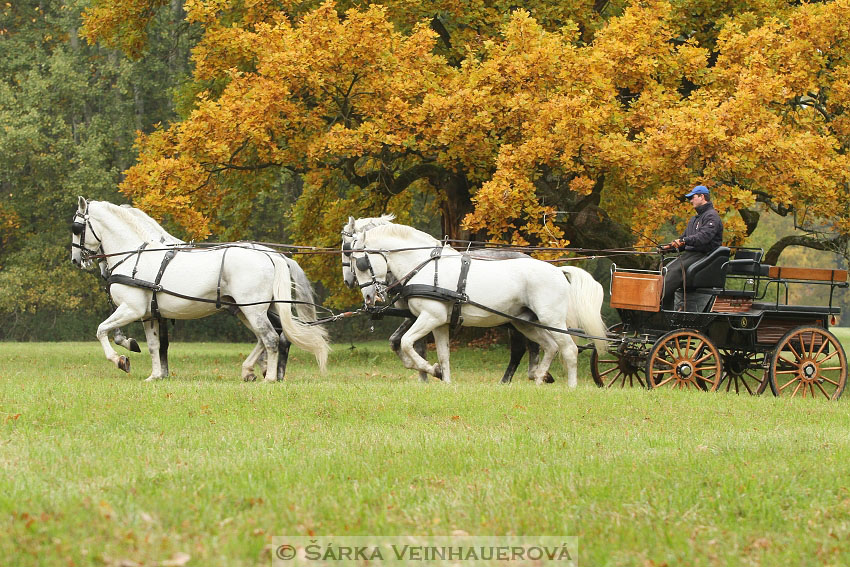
<point>808,362</point>
<point>617,368</point>
<point>743,372</point>
<point>684,359</point>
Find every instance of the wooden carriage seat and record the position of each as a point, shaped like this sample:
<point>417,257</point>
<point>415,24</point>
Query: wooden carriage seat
<point>708,272</point>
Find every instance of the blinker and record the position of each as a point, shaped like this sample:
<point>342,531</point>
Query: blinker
<point>362,263</point>
<point>77,228</point>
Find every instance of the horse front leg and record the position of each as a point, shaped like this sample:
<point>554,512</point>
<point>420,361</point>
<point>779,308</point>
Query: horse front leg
<point>152,337</point>
<point>121,316</point>
<point>119,338</point>
<point>441,342</point>
<point>423,325</point>
<point>395,344</point>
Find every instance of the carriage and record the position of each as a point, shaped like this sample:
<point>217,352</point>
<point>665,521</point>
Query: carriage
<point>732,329</point>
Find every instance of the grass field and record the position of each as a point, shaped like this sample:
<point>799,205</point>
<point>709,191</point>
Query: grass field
<point>100,468</point>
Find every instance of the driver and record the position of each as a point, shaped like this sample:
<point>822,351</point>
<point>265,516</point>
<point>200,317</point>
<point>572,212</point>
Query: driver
<point>702,236</point>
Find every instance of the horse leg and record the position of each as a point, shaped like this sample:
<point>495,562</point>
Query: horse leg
<point>283,346</point>
<point>517,352</point>
<point>152,337</point>
<point>441,341</point>
<point>423,325</point>
<point>119,338</point>
<point>121,316</point>
<point>395,344</point>
<point>248,365</point>
<point>569,356</point>
<point>282,356</point>
<point>533,358</point>
<point>547,343</point>
<point>163,346</point>
<point>268,339</point>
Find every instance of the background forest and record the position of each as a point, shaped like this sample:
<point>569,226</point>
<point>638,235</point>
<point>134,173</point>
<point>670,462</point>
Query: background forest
<point>564,123</point>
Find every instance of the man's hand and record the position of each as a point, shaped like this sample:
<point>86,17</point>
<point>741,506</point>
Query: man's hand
<point>678,243</point>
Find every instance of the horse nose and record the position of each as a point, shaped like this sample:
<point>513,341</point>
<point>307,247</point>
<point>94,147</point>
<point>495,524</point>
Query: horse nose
<point>75,261</point>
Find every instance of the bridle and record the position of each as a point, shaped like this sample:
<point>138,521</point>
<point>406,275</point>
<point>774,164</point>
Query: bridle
<point>80,226</point>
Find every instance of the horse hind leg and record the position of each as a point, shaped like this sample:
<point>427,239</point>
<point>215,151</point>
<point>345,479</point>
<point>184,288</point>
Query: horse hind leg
<point>284,344</point>
<point>547,343</point>
<point>517,352</point>
<point>267,338</point>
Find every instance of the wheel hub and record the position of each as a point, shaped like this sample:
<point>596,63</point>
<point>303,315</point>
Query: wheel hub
<point>808,370</point>
<point>684,370</point>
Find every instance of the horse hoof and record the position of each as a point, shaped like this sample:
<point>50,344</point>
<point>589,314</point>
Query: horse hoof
<point>124,363</point>
<point>438,372</point>
<point>134,346</point>
<point>250,377</point>
<point>549,379</point>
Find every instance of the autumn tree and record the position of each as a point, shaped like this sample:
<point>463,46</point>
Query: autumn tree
<point>503,118</point>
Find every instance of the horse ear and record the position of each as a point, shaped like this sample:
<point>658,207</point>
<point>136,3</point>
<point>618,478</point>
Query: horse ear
<point>81,203</point>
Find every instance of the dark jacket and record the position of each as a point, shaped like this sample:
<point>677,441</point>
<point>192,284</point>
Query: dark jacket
<point>704,232</point>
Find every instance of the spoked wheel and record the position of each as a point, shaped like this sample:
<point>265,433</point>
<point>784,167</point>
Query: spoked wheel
<point>684,359</point>
<point>621,367</point>
<point>808,362</point>
<point>743,372</point>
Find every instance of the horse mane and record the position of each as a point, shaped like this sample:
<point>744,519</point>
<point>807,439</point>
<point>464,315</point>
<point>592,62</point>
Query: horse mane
<point>139,222</point>
<point>369,223</point>
<point>165,236</point>
<point>404,232</point>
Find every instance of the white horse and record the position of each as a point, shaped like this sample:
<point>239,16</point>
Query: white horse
<point>518,344</point>
<point>304,295</point>
<point>195,283</point>
<point>527,293</point>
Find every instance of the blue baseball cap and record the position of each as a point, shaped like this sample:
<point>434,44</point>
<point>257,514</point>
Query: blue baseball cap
<point>698,190</point>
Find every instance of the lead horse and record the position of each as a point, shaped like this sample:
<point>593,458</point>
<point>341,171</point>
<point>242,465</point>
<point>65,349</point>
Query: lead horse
<point>532,295</point>
<point>190,284</point>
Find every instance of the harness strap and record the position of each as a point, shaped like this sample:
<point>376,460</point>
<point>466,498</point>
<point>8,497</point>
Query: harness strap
<point>457,320</point>
<point>138,254</point>
<point>165,261</point>
<point>435,254</point>
<point>220,272</point>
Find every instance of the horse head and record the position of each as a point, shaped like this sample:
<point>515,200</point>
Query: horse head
<point>349,231</point>
<point>85,242</point>
<point>370,270</point>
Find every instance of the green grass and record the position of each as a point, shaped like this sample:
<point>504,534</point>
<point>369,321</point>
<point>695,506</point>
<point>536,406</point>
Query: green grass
<point>99,467</point>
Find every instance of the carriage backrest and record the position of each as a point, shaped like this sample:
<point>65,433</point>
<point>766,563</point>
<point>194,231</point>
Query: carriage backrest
<point>708,272</point>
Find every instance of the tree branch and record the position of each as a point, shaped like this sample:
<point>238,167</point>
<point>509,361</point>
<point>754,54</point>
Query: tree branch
<point>837,244</point>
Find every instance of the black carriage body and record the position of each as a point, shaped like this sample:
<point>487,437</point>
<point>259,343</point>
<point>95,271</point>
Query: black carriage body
<point>726,312</point>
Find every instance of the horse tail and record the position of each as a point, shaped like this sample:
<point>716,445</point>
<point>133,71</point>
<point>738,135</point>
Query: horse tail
<point>303,291</point>
<point>311,338</point>
<point>586,297</point>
